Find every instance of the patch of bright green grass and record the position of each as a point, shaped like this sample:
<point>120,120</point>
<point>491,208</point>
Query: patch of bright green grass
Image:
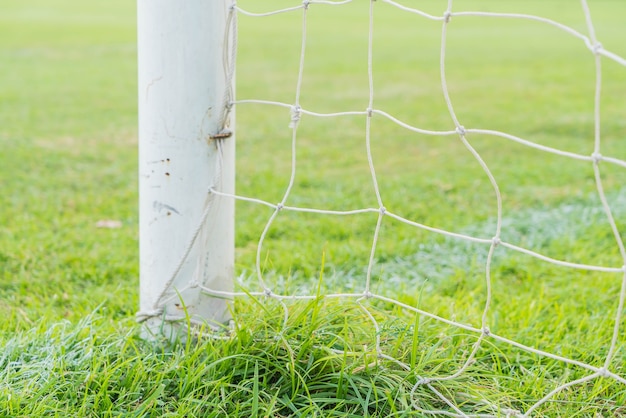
<point>68,160</point>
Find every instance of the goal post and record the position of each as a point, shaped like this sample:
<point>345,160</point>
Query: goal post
<point>186,233</point>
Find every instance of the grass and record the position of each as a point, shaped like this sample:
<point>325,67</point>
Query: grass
<point>68,290</point>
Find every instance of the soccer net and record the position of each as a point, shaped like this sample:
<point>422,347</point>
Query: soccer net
<point>470,249</point>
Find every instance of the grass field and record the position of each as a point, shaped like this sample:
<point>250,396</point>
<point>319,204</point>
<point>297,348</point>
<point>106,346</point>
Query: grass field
<point>69,290</point>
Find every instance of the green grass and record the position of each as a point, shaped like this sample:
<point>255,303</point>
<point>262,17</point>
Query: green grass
<point>69,290</point>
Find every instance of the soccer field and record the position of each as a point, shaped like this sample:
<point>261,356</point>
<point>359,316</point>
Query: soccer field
<point>69,287</point>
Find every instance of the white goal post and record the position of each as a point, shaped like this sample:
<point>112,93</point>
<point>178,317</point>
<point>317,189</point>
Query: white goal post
<point>185,151</point>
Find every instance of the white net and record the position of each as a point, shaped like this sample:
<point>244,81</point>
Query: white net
<point>490,240</point>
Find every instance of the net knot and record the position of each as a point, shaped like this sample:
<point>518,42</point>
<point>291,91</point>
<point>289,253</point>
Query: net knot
<point>367,294</point>
<point>596,48</point>
<point>194,283</point>
<point>305,4</point>
<point>279,207</point>
<point>423,381</point>
<point>486,331</point>
<point>447,16</point>
<point>460,130</point>
<point>604,372</point>
<point>296,113</point>
<point>596,157</point>
<point>511,413</point>
<point>496,241</point>
<point>268,293</point>
<point>382,210</point>
<point>233,6</point>
<point>370,112</point>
